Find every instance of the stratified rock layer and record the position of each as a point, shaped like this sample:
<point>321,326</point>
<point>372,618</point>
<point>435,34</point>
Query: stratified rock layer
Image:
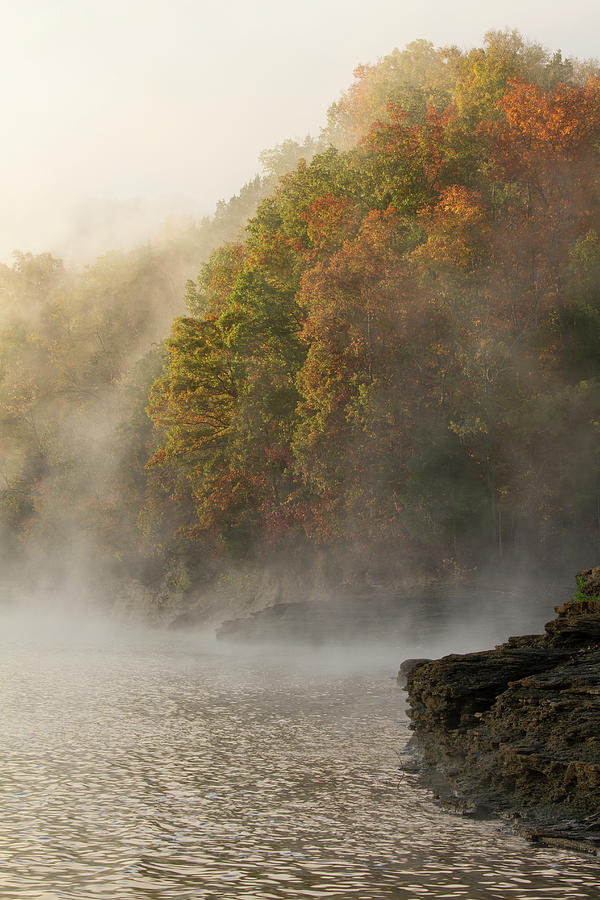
<point>517,729</point>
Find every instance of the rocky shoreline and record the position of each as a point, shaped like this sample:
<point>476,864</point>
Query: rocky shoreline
<point>515,731</point>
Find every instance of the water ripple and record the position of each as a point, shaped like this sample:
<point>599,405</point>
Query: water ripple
<point>173,770</point>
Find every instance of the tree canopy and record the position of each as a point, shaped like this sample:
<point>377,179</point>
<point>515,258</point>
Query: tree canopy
<point>403,349</point>
<point>398,353</point>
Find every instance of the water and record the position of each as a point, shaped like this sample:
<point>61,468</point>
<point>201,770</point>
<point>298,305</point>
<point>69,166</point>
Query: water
<point>155,767</point>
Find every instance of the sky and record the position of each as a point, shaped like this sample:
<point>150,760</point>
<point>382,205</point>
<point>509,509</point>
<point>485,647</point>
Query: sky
<point>117,113</point>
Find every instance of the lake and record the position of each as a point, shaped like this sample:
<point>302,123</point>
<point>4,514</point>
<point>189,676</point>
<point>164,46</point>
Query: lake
<point>156,765</point>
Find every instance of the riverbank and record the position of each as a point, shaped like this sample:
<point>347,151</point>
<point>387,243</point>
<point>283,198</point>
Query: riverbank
<point>514,730</point>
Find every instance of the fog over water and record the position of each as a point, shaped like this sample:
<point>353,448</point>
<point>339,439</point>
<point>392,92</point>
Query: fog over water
<point>144,764</point>
<point>151,763</point>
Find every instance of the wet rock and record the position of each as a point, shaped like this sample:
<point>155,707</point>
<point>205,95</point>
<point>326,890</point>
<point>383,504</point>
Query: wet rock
<point>577,625</point>
<point>580,836</point>
<point>407,667</point>
<point>516,729</point>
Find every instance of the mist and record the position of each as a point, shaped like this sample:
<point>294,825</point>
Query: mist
<point>120,115</point>
<point>424,472</point>
<point>299,378</point>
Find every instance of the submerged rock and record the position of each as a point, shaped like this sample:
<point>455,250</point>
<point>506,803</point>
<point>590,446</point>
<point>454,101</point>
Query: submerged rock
<point>517,729</point>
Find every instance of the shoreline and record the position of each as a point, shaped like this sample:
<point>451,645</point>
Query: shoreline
<point>513,732</point>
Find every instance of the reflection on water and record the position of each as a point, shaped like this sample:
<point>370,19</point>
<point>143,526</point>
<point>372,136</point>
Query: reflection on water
<point>173,769</point>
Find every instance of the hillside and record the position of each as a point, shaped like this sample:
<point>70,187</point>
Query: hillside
<point>394,368</point>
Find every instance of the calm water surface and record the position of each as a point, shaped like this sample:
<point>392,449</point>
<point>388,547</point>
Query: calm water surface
<point>155,767</point>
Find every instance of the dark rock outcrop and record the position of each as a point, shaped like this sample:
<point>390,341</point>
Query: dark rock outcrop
<point>517,729</point>
<point>273,623</point>
<point>407,667</point>
<point>353,616</point>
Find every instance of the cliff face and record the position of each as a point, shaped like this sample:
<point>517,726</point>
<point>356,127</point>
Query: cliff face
<point>517,729</point>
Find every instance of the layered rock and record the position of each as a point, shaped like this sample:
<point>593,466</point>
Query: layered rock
<point>517,729</point>
<point>407,667</point>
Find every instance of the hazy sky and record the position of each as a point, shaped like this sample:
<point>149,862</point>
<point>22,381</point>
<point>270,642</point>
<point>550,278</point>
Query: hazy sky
<point>116,112</point>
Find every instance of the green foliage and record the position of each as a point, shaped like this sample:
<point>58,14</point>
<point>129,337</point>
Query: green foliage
<point>393,327</point>
<point>581,596</point>
<point>79,352</point>
<point>392,340</point>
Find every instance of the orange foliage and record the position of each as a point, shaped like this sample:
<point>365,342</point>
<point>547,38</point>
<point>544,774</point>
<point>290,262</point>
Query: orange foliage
<point>559,124</point>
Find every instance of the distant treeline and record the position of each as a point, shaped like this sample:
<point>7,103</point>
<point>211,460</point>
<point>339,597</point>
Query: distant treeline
<point>400,354</point>
<point>79,351</point>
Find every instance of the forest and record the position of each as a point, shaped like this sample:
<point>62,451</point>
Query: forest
<point>382,356</point>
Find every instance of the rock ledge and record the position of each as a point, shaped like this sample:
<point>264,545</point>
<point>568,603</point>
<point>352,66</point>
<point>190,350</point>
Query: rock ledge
<point>516,730</point>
